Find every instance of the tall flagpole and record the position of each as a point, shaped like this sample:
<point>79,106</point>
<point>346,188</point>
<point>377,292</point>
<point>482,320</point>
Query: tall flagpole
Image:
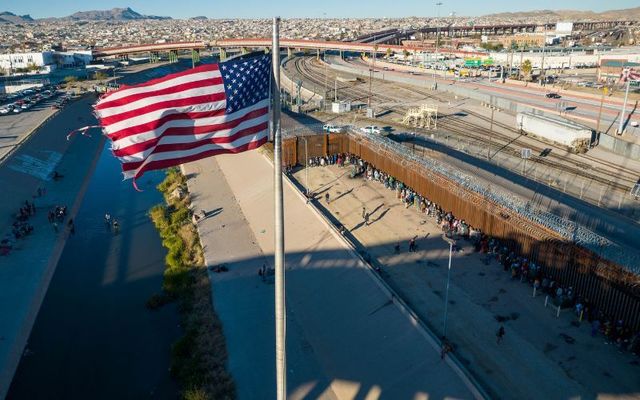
<point>281,324</point>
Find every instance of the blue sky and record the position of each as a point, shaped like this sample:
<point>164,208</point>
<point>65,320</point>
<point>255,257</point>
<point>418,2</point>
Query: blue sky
<point>301,8</point>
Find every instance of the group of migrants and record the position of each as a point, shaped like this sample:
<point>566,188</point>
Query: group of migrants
<point>20,228</point>
<point>519,267</point>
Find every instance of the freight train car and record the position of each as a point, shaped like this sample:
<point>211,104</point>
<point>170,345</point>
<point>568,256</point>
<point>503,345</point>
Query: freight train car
<point>575,137</point>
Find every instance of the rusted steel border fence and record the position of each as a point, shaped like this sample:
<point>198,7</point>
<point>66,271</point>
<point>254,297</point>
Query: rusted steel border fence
<point>611,288</point>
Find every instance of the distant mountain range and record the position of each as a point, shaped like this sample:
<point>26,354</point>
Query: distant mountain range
<point>115,14</point>
<point>572,15</point>
<point>127,14</point>
<point>10,18</point>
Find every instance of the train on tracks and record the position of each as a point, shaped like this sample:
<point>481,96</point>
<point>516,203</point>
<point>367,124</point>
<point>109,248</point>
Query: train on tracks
<point>575,137</point>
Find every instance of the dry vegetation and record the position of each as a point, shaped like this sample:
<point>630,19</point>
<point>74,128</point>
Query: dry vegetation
<point>198,358</point>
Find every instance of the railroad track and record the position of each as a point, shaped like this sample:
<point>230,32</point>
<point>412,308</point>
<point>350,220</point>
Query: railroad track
<point>607,173</point>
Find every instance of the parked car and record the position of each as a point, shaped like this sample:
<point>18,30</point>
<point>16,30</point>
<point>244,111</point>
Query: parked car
<point>552,96</point>
<point>371,129</point>
<point>4,110</point>
<point>333,128</point>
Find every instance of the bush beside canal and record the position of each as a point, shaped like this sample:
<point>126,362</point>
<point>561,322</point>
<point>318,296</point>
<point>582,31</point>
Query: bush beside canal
<point>199,356</point>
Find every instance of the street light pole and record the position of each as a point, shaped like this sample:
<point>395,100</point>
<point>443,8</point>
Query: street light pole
<point>370,79</point>
<point>446,296</point>
<point>325,80</point>
<point>604,93</point>
<point>493,110</point>
<point>624,106</point>
<point>306,165</point>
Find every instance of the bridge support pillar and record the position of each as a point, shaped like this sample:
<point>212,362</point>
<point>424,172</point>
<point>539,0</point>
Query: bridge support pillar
<point>244,50</point>
<point>289,52</point>
<point>341,56</point>
<point>173,56</point>
<point>266,50</point>
<point>195,57</point>
<point>223,53</point>
<point>318,54</point>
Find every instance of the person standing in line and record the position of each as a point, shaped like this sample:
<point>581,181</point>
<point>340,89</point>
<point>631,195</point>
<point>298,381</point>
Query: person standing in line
<point>364,211</point>
<point>366,218</point>
<point>500,334</point>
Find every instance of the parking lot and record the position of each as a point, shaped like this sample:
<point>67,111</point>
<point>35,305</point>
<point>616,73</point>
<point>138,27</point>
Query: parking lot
<point>34,107</point>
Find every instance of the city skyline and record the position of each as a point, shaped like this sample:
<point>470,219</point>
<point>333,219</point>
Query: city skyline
<point>294,9</point>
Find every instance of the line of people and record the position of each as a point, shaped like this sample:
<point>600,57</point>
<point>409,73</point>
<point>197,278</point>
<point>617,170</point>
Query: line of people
<point>521,268</point>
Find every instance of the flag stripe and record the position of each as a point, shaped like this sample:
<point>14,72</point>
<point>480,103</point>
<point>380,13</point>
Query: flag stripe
<point>141,150</point>
<point>239,140</point>
<point>172,90</point>
<point>172,162</point>
<point>124,140</point>
<point>195,74</point>
<point>140,106</point>
<point>158,124</point>
<point>207,102</point>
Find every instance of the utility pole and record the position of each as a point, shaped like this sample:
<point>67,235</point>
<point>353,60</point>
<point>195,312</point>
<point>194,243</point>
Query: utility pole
<point>324,98</point>
<point>625,75</point>
<point>438,4</point>
<point>544,45</point>
<point>604,93</point>
<point>493,110</point>
<point>370,79</point>
<point>335,90</point>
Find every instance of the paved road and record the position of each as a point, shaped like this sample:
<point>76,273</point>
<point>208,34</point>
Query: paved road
<point>346,338</point>
<point>534,360</point>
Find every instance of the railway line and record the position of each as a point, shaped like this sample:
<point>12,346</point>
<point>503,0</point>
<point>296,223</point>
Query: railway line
<point>505,138</point>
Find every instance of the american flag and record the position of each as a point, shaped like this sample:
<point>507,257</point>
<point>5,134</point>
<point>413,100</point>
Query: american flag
<point>208,110</point>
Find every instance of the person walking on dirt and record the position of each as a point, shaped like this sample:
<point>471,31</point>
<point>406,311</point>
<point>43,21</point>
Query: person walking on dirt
<point>326,197</point>
<point>364,212</point>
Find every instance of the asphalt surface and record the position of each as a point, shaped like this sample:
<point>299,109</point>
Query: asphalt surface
<point>541,355</point>
<point>347,338</point>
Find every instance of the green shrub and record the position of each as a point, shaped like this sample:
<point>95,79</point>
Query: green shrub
<point>198,358</point>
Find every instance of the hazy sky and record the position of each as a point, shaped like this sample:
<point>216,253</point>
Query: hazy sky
<point>302,8</point>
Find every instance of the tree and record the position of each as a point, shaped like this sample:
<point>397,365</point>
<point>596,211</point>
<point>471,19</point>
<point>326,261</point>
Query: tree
<point>3,71</point>
<point>32,67</point>
<point>389,52</point>
<point>99,76</point>
<point>406,54</point>
<point>70,80</point>
<point>375,50</point>
<point>527,68</point>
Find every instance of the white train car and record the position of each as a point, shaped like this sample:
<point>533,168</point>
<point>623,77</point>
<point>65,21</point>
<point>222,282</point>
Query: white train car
<point>577,138</point>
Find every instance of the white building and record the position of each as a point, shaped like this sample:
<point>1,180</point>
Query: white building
<point>45,60</point>
<point>11,62</point>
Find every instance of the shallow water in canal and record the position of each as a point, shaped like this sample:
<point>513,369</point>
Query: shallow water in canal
<point>93,337</point>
